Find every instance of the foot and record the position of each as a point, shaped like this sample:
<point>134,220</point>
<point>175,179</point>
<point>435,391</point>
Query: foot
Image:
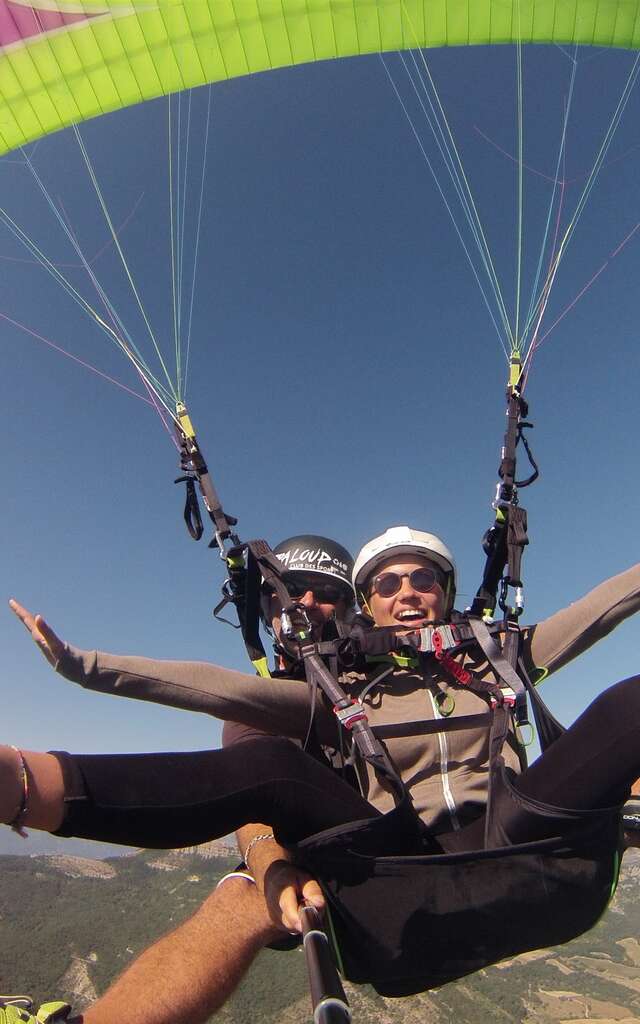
<point>19,1010</point>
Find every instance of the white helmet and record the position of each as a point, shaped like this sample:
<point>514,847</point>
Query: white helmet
<point>402,540</point>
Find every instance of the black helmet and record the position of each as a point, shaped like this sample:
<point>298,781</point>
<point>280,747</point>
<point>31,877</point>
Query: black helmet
<point>331,563</point>
<point>319,556</point>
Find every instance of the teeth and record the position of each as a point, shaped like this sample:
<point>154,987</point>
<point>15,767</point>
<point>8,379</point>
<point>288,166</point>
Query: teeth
<point>410,615</point>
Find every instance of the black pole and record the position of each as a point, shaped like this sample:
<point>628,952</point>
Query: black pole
<point>328,999</point>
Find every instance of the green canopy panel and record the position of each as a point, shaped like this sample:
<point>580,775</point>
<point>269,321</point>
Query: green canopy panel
<point>62,61</point>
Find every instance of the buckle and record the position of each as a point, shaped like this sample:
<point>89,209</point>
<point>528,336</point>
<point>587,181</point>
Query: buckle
<point>349,715</point>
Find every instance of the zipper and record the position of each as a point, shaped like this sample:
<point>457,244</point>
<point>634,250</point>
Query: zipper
<point>444,768</point>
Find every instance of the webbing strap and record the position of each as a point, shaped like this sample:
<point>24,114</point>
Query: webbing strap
<point>244,592</point>
<point>549,728</point>
<point>352,717</point>
<point>271,570</point>
<point>387,640</point>
<point>517,539</point>
<point>502,666</point>
<point>250,619</point>
<point>497,737</point>
<point>398,730</point>
<point>495,548</point>
<point>191,513</point>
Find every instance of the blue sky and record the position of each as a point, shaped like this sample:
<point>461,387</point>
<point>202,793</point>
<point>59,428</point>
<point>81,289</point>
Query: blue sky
<point>344,372</point>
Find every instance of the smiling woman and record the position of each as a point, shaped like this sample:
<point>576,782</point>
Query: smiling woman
<point>405,591</point>
<point>418,589</point>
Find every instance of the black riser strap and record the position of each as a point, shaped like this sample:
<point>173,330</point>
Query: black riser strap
<point>271,570</point>
<point>370,748</point>
<point>549,728</point>
<point>517,539</point>
<point>497,737</point>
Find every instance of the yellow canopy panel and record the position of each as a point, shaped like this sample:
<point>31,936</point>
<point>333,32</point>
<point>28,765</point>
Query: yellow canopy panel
<point>62,61</point>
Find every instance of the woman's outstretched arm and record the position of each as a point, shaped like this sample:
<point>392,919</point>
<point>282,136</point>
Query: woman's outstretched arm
<point>573,630</point>
<point>278,706</point>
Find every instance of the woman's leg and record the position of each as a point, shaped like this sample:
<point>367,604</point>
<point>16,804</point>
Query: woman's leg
<point>592,765</point>
<point>597,760</point>
<point>182,799</point>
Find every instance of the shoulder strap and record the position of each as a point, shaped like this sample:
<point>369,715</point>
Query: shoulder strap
<point>503,667</point>
<point>549,729</point>
<point>548,726</point>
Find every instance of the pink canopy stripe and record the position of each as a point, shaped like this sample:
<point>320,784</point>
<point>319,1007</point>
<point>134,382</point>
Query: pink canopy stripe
<point>22,21</point>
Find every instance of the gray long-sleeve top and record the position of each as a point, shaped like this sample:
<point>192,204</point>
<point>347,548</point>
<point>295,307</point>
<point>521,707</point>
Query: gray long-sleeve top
<point>446,773</point>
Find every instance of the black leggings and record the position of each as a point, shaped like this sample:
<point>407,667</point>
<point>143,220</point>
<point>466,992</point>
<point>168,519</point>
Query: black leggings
<point>182,799</point>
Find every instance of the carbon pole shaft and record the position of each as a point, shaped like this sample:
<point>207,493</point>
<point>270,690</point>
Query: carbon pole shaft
<point>328,999</point>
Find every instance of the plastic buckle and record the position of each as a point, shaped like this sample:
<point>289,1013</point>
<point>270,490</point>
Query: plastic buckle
<point>348,716</point>
<point>436,642</point>
<point>507,700</point>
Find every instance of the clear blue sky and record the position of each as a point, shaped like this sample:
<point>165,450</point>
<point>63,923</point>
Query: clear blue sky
<point>344,373</point>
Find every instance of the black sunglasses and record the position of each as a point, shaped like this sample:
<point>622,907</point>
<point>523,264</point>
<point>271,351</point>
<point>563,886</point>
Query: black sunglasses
<point>298,585</point>
<point>389,583</point>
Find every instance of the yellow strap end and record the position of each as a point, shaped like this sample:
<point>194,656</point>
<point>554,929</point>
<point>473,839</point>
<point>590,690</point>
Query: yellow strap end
<point>261,666</point>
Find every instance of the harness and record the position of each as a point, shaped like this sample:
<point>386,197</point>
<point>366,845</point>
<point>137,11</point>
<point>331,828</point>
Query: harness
<point>405,915</point>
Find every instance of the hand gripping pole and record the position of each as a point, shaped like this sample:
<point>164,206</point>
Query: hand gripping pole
<point>328,998</point>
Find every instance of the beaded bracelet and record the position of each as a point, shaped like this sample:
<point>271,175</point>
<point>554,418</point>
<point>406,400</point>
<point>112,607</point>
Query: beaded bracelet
<point>16,824</point>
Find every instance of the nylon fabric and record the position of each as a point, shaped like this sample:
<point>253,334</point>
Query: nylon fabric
<point>405,924</point>
<point>69,64</point>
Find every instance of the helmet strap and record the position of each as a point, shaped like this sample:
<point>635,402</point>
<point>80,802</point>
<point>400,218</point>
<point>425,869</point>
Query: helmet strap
<point>364,604</point>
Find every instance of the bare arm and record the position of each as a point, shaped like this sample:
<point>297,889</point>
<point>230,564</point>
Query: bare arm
<point>280,884</point>
<point>186,976</point>
<point>45,797</point>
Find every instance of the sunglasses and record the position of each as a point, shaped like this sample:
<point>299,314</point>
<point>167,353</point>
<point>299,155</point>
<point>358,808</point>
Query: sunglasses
<point>389,583</point>
<point>299,585</point>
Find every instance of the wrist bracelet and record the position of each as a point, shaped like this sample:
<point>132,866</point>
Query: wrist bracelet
<point>16,824</point>
<point>236,874</point>
<point>254,842</point>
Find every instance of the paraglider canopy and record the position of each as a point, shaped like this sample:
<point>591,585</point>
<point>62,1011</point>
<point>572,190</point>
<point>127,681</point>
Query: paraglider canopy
<point>63,61</point>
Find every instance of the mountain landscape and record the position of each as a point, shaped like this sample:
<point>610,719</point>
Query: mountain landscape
<point>70,924</point>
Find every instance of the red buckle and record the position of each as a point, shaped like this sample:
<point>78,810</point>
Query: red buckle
<point>449,663</point>
<point>508,700</point>
<point>350,715</point>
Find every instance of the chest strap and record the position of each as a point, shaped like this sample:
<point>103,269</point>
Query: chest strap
<point>380,642</point>
<point>399,730</point>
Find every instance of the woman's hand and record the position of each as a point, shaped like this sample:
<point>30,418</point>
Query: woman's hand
<point>50,645</point>
<point>285,888</point>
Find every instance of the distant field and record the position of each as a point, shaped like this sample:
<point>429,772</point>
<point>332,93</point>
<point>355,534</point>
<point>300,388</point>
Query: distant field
<point>68,925</point>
